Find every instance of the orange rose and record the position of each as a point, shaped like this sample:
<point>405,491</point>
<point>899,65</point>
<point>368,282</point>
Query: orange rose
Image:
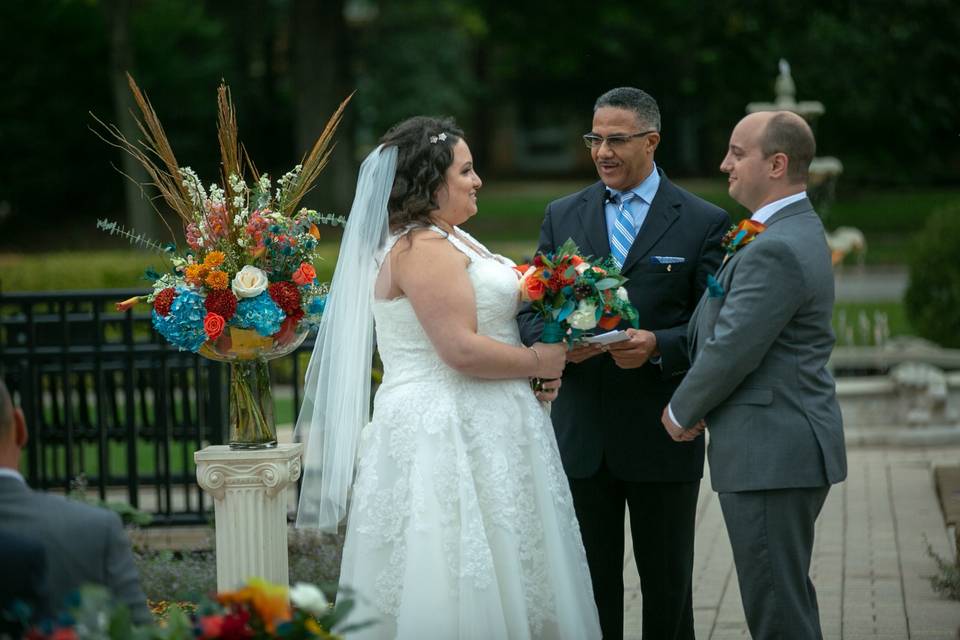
<point>609,323</point>
<point>213,325</point>
<point>534,289</point>
<point>305,274</point>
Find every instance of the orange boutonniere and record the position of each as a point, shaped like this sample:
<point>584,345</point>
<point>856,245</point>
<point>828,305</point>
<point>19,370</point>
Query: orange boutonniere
<point>740,235</point>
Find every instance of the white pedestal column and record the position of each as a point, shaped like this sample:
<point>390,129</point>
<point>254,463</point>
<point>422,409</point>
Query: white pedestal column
<point>249,491</point>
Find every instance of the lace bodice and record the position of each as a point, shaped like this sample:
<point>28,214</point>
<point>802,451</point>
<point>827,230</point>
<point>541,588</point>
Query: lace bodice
<point>403,344</point>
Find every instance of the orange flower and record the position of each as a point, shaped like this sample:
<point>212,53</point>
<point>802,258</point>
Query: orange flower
<point>128,303</point>
<point>269,601</point>
<point>196,273</point>
<point>305,274</point>
<point>314,231</point>
<point>534,289</point>
<point>609,322</point>
<point>213,325</point>
<point>214,259</point>
<point>217,280</point>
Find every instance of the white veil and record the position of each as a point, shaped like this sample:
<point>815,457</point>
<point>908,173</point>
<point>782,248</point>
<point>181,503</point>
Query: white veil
<point>336,404</point>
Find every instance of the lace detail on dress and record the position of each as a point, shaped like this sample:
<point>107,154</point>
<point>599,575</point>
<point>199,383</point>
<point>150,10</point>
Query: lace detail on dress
<point>461,508</point>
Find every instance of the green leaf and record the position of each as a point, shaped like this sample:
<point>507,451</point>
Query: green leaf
<point>607,283</point>
<point>566,310</point>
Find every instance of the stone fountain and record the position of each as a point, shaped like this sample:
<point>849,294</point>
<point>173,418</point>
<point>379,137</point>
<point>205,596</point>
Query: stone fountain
<point>824,171</point>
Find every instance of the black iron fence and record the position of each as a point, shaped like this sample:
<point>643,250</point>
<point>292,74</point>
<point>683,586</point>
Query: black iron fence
<point>108,400</point>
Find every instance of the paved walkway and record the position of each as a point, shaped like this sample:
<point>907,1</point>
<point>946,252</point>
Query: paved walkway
<point>870,563</point>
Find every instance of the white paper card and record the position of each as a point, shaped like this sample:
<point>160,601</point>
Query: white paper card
<point>608,337</point>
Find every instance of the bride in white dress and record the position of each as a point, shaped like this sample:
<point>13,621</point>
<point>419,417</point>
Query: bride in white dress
<point>460,522</point>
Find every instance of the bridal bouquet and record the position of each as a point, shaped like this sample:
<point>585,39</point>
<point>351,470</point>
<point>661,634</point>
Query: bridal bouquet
<point>574,295</point>
<point>243,289</point>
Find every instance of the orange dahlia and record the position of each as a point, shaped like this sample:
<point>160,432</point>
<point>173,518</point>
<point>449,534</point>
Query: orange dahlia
<point>217,280</point>
<point>214,259</point>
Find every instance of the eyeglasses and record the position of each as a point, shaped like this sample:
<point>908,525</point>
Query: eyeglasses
<point>593,141</point>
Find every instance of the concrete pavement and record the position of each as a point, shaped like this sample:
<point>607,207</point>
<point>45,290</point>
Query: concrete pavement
<point>870,564</point>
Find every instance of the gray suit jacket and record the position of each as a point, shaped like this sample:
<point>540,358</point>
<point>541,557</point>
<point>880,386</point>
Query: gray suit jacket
<point>84,544</point>
<point>759,353</point>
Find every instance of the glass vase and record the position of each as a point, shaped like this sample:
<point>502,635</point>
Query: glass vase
<point>251,406</point>
<point>252,424</point>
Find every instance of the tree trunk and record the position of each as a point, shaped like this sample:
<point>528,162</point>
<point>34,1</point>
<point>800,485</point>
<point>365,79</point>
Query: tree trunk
<point>140,213</point>
<point>322,79</point>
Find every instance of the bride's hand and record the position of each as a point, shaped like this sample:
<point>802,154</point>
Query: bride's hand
<point>552,358</point>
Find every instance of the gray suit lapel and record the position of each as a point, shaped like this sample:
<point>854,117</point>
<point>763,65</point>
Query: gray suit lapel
<point>594,222</point>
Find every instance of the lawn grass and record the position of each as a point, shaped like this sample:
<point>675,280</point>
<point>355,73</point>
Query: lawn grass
<point>509,221</point>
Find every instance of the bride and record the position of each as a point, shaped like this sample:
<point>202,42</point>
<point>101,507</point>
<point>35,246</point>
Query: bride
<point>461,523</point>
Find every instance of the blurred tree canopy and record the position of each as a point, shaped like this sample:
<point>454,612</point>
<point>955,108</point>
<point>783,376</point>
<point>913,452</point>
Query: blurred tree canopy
<point>885,70</point>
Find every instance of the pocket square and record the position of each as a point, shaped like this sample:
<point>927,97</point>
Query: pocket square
<point>714,288</point>
<point>667,259</point>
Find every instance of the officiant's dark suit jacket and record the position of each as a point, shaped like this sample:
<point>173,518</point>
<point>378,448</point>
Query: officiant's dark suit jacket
<point>84,544</point>
<point>604,411</point>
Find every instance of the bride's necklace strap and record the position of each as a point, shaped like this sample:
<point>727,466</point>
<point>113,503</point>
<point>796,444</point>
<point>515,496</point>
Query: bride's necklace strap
<point>463,241</point>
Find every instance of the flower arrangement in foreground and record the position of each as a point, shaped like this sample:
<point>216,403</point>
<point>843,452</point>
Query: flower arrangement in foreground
<point>574,295</point>
<point>257,610</point>
<point>243,289</point>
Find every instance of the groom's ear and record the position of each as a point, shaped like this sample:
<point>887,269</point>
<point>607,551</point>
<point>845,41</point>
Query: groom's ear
<point>779,164</point>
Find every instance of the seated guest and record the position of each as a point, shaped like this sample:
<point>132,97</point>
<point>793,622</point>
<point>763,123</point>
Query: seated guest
<point>23,588</point>
<point>84,544</point>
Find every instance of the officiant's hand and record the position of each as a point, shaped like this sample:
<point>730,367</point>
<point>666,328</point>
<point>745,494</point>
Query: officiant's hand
<point>583,352</point>
<point>634,352</point>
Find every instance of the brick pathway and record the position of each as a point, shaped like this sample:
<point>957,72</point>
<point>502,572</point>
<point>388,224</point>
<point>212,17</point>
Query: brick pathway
<point>870,563</point>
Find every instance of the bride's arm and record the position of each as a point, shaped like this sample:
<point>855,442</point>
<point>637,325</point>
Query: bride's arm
<point>432,274</point>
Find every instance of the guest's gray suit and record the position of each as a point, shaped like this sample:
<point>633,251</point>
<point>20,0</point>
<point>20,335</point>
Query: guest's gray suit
<point>83,543</point>
<point>759,379</point>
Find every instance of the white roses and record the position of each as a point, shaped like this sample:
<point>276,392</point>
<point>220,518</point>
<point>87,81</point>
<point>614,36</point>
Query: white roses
<point>309,598</point>
<point>585,316</point>
<point>622,294</point>
<point>250,282</point>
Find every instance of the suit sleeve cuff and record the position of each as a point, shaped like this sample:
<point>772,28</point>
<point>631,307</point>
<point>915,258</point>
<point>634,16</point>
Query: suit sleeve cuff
<point>673,417</point>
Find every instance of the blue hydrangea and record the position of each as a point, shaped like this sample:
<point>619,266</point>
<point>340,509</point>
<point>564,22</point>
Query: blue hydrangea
<point>183,326</point>
<point>260,313</point>
<point>318,304</point>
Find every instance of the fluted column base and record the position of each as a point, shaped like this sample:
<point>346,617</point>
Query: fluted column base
<point>249,492</point>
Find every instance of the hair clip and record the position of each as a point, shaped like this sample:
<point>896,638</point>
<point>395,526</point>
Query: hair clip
<point>441,137</point>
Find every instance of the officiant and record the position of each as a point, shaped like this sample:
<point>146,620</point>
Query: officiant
<point>607,416</point>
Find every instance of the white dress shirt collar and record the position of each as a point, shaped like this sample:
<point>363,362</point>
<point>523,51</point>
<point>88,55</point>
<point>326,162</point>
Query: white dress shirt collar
<point>7,472</point>
<point>764,213</point>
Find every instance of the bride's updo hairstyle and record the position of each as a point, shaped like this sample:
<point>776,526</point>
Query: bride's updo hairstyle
<point>424,153</point>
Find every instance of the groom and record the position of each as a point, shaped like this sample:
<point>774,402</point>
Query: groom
<point>607,416</point>
<point>760,340</point>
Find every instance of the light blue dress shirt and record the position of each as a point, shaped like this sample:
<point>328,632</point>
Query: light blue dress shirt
<point>637,207</point>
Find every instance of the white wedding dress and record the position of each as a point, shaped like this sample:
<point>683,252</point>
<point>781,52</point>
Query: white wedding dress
<point>461,523</point>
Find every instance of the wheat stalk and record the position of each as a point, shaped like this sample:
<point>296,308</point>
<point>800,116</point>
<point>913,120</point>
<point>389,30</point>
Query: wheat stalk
<point>315,161</point>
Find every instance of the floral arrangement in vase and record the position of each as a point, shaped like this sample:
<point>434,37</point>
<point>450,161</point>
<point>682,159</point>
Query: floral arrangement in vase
<point>242,289</point>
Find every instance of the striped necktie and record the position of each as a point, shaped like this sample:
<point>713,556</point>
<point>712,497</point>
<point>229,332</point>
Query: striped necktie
<point>623,232</point>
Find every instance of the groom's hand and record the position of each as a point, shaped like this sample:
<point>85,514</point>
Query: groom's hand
<point>678,433</point>
<point>634,352</point>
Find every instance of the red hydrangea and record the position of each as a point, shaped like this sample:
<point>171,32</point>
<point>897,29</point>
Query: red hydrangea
<point>286,295</point>
<point>163,300</point>
<point>221,302</point>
